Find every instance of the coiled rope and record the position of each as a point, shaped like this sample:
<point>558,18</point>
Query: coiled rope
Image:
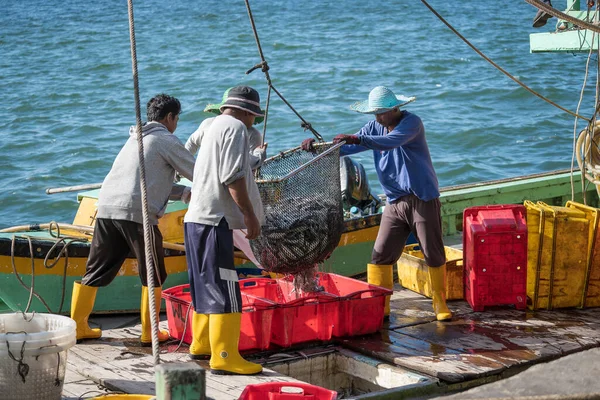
<point>146,222</point>
<point>581,163</point>
<point>524,86</point>
<point>66,241</point>
<point>264,67</point>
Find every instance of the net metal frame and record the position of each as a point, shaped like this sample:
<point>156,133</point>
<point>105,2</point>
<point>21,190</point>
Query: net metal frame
<point>302,201</point>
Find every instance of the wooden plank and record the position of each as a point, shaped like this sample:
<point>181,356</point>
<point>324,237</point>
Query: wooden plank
<point>410,308</point>
<point>489,342</point>
<point>77,386</point>
<point>119,363</point>
<point>424,357</point>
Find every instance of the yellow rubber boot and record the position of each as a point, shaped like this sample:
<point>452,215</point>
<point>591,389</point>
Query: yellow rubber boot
<point>438,289</point>
<point>82,304</point>
<point>146,338</point>
<point>224,333</point>
<point>381,275</point>
<point>200,347</point>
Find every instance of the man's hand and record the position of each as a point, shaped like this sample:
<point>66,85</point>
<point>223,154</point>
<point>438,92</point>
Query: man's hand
<point>307,144</point>
<point>252,226</point>
<point>348,139</point>
<point>186,196</point>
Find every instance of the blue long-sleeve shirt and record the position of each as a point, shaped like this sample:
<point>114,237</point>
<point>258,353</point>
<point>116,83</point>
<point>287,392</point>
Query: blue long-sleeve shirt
<point>402,158</point>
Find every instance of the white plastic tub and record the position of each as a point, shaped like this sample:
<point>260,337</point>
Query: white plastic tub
<point>33,355</point>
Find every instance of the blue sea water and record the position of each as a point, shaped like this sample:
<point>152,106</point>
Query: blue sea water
<point>67,98</point>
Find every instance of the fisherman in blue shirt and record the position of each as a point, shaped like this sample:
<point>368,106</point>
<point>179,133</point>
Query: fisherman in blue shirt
<point>405,170</point>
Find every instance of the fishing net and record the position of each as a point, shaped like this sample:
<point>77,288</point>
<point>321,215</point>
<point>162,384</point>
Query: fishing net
<point>301,196</point>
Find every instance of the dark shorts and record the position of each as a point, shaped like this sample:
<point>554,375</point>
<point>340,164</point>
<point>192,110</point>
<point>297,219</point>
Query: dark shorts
<point>410,214</point>
<point>214,282</point>
<point>113,241</point>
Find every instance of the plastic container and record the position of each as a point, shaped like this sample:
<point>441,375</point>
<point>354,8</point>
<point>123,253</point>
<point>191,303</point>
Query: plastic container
<point>591,295</point>
<point>557,256</point>
<point>286,391</point>
<point>495,256</point>
<point>257,315</point>
<point>124,397</point>
<point>39,343</point>
<point>346,307</point>
<point>413,272</point>
<point>297,318</point>
<point>361,307</point>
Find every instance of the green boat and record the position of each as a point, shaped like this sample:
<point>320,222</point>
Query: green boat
<point>50,259</point>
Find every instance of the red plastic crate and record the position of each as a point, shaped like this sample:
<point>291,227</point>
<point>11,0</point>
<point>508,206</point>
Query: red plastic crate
<point>346,307</point>
<point>362,304</point>
<point>286,391</point>
<point>495,256</point>
<point>295,320</point>
<point>257,316</point>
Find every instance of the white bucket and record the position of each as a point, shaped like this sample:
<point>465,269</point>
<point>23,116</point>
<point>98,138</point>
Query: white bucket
<point>33,355</point>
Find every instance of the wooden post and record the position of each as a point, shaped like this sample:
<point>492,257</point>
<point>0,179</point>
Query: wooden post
<point>180,381</point>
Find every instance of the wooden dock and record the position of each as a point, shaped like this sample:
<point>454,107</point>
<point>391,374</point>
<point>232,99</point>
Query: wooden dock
<point>431,357</point>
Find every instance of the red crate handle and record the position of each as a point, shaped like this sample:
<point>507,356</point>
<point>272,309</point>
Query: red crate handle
<point>248,282</point>
<point>249,308</point>
<point>375,292</point>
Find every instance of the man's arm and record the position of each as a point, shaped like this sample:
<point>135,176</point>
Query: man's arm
<point>410,128</point>
<point>178,157</point>
<point>239,193</point>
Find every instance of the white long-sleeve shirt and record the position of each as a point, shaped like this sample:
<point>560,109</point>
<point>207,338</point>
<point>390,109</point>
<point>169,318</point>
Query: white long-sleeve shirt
<point>257,154</point>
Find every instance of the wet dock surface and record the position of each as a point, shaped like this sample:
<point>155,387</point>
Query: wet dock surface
<point>473,348</point>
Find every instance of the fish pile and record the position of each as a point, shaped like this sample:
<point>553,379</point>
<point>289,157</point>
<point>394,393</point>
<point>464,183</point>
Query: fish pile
<point>298,236</point>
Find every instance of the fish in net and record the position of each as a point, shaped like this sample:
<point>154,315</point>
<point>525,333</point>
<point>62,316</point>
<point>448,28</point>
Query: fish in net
<point>303,209</point>
<point>288,241</point>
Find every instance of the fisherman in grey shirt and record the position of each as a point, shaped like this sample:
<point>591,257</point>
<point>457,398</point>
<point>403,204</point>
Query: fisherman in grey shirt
<point>119,230</point>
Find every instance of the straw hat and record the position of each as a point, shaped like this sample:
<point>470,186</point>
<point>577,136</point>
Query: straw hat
<point>381,99</point>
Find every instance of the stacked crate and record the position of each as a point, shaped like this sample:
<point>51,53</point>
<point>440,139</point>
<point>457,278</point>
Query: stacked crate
<point>495,256</point>
<point>560,254</point>
<point>591,297</point>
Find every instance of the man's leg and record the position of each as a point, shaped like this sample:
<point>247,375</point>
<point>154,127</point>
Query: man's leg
<point>241,242</point>
<point>427,227</point>
<point>393,232</point>
<point>107,253</point>
<point>195,238</point>
<point>134,234</point>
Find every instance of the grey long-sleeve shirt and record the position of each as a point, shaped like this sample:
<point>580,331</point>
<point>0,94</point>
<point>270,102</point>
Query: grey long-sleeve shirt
<point>164,154</point>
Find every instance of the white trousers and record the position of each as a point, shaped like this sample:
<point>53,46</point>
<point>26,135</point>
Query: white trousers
<point>240,241</point>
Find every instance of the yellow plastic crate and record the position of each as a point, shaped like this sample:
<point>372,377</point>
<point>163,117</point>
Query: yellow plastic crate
<point>591,294</point>
<point>413,272</point>
<point>557,253</point>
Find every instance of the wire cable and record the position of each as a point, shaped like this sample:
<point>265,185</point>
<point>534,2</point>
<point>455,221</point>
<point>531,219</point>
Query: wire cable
<point>524,86</point>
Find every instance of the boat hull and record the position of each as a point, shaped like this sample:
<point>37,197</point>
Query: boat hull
<point>54,285</point>
<point>349,258</point>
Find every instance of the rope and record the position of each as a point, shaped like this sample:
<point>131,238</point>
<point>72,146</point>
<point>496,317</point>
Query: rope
<point>524,86</point>
<point>587,64</point>
<point>147,227</point>
<point>14,267</point>
<point>22,368</point>
<point>560,15</point>
<point>265,68</point>
<point>66,241</point>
